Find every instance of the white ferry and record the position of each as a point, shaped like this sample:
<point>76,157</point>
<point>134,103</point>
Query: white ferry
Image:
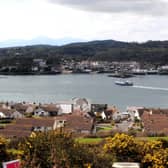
<point>124,83</point>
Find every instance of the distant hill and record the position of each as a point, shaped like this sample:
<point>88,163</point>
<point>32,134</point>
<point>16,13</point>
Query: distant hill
<point>106,50</point>
<point>37,41</point>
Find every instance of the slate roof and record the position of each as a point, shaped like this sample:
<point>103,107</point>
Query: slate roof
<point>23,127</point>
<point>77,122</point>
<point>7,112</point>
<point>155,122</point>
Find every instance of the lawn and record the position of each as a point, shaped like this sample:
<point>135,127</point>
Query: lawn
<point>156,138</point>
<point>98,140</point>
<point>152,138</point>
<point>104,128</point>
<point>89,140</point>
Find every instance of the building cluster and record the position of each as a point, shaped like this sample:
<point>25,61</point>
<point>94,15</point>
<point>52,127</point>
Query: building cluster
<point>71,66</point>
<point>79,116</point>
<point>42,66</point>
<point>76,115</point>
<point>154,122</point>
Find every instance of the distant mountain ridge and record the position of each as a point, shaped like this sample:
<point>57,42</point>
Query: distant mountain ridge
<point>38,41</point>
<point>104,50</point>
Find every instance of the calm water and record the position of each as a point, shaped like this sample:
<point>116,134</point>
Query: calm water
<point>149,91</point>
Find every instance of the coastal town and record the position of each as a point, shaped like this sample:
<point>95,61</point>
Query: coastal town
<point>80,117</point>
<point>84,84</point>
<point>43,67</point>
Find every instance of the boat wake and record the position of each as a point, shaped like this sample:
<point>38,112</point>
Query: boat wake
<point>150,88</point>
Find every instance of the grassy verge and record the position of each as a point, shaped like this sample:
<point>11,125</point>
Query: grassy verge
<point>104,128</point>
<point>98,140</point>
<point>89,140</point>
<point>156,138</point>
<point>152,138</point>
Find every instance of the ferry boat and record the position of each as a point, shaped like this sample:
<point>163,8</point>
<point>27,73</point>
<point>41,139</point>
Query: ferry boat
<point>124,83</point>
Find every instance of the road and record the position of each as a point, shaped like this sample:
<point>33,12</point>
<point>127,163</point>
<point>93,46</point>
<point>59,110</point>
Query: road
<point>123,126</point>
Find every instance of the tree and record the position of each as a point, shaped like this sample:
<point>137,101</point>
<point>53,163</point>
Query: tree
<point>49,149</point>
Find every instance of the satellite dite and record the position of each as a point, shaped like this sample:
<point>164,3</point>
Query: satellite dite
<point>11,164</point>
<point>125,165</point>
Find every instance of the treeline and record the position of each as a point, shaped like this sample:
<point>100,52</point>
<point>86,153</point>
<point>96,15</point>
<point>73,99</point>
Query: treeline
<point>108,50</point>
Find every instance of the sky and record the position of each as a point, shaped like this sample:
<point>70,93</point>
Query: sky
<point>123,20</point>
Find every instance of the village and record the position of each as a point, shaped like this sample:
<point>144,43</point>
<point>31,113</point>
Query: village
<point>80,117</point>
<point>39,66</point>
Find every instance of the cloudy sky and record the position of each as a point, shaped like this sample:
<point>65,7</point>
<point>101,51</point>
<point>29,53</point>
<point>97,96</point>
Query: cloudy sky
<point>125,20</point>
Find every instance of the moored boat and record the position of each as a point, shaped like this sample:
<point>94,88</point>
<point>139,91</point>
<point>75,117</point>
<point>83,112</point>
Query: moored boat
<point>152,72</point>
<point>121,75</point>
<point>139,71</point>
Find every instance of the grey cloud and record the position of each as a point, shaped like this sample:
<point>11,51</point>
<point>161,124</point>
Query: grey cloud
<point>151,7</point>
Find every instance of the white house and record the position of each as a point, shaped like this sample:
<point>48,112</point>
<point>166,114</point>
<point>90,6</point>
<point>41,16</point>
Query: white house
<point>65,107</point>
<point>76,104</point>
<point>17,115</point>
<point>81,104</point>
<point>2,115</point>
<point>30,109</point>
<point>103,115</point>
<point>134,113</point>
<point>59,124</point>
<point>40,112</point>
<point>5,113</point>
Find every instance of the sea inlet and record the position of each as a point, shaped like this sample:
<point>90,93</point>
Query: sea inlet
<point>147,91</point>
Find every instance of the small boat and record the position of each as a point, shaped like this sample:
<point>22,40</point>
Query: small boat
<point>121,75</point>
<point>152,72</point>
<point>139,71</point>
<point>124,83</point>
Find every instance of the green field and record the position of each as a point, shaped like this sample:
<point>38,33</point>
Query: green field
<point>89,140</point>
<point>104,128</point>
<point>152,138</point>
<point>98,140</point>
<point>156,138</point>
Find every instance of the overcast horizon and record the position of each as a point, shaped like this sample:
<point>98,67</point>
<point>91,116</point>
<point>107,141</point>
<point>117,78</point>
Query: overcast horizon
<point>74,20</point>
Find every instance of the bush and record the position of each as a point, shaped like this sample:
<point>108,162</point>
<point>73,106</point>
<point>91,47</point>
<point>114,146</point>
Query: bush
<point>3,153</point>
<point>54,149</point>
<point>5,121</point>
